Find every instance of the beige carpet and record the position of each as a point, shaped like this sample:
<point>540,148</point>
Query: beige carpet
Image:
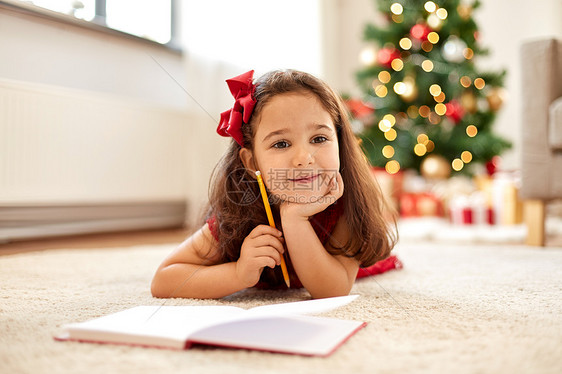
<point>452,309</point>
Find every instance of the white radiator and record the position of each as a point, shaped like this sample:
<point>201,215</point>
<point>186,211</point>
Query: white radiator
<point>74,161</point>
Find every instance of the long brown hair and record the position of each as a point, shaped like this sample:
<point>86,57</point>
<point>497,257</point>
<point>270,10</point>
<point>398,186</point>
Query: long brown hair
<point>234,197</point>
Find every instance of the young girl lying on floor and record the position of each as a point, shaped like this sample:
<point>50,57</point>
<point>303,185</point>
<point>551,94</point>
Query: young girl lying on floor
<point>294,129</point>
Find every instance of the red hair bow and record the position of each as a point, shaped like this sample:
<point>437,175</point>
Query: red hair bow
<point>232,120</point>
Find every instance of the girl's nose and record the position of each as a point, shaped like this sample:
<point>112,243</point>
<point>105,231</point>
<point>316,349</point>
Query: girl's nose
<point>303,157</point>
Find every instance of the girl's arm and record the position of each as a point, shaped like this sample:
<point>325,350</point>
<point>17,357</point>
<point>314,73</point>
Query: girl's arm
<point>193,270</point>
<point>322,274</point>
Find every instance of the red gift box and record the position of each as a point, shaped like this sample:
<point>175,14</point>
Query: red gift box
<point>422,204</point>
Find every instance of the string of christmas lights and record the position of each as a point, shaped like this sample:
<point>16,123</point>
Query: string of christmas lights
<point>426,106</point>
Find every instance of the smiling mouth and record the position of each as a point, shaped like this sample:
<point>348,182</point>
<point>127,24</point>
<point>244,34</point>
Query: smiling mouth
<point>309,179</point>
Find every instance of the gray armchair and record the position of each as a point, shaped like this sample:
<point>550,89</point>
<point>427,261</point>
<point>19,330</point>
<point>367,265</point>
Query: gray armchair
<point>541,123</point>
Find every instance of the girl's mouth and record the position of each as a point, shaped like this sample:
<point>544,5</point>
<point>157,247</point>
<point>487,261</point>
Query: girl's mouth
<point>307,179</point>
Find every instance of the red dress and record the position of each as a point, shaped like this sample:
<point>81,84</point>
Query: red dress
<point>323,224</point>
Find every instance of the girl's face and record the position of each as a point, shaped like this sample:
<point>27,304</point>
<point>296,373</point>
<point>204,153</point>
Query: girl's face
<point>295,148</point>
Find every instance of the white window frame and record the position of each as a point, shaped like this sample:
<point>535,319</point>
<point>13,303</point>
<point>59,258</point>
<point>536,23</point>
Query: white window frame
<point>98,23</point>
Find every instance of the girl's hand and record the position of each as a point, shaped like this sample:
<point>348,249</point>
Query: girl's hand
<point>262,247</point>
<point>314,205</point>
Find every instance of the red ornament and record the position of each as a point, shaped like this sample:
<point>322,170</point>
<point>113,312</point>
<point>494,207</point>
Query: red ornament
<point>420,31</point>
<point>454,111</point>
<point>358,108</point>
<point>387,55</point>
<point>493,165</point>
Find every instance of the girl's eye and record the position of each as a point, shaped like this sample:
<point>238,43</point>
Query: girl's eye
<point>281,144</point>
<point>320,139</point>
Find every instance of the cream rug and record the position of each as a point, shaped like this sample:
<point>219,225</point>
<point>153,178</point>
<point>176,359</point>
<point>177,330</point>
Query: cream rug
<point>451,309</point>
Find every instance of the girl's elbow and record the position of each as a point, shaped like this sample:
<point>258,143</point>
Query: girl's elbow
<point>156,288</point>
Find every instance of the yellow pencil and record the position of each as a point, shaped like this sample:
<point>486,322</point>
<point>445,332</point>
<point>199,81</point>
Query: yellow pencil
<point>272,224</point>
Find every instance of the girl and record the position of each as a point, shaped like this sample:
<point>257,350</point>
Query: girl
<point>330,213</point>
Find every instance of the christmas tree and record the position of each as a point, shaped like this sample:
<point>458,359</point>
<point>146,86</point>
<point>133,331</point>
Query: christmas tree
<point>426,106</point>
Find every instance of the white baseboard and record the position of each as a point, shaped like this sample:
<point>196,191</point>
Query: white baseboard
<point>30,222</point>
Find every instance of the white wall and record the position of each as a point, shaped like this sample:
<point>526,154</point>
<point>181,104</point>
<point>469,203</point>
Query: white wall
<point>254,34</point>
<point>246,35</point>
<point>343,40</point>
<point>34,49</point>
<point>503,24</point>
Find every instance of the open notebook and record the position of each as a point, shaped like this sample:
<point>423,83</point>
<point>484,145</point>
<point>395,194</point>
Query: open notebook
<point>283,328</point>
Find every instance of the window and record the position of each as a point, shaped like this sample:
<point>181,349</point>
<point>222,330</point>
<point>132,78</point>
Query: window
<point>263,35</point>
<point>85,9</point>
<point>148,19</point>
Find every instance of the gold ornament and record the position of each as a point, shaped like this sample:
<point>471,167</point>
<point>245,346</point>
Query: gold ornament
<point>495,98</point>
<point>465,11</point>
<point>468,102</point>
<point>435,167</point>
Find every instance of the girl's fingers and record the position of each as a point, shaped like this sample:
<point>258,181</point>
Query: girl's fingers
<point>335,188</point>
<point>267,255</point>
<point>269,241</point>
<point>274,254</point>
<point>265,230</point>
<point>339,182</point>
<point>265,261</point>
